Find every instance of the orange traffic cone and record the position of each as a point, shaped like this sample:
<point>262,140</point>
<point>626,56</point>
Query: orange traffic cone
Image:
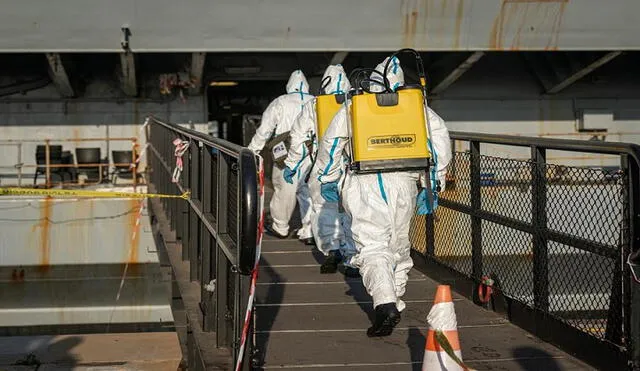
<point>442,349</point>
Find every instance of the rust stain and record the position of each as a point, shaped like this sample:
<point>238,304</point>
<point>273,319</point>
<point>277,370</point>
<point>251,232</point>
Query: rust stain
<point>45,244</point>
<point>410,22</point>
<point>134,232</point>
<point>528,20</point>
<point>515,45</point>
<point>496,30</point>
<point>555,29</point>
<point>459,17</point>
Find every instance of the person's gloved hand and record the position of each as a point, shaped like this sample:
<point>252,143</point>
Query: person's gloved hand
<point>329,191</point>
<point>424,207</point>
<point>288,175</point>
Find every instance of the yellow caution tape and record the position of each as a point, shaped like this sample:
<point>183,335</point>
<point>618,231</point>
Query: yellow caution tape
<point>83,193</point>
<point>442,340</point>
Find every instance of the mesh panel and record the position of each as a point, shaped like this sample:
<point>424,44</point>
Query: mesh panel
<point>586,203</point>
<point>458,184</point>
<point>453,239</point>
<point>583,206</point>
<point>589,293</point>
<point>507,255</point>
<point>506,187</point>
<point>418,233</point>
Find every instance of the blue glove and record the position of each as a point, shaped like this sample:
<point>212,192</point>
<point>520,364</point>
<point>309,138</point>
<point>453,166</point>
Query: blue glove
<point>329,191</point>
<point>424,208</point>
<point>288,175</point>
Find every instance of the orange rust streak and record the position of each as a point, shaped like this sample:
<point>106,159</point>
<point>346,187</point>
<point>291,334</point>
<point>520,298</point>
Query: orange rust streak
<point>134,235</point>
<point>496,31</point>
<point>515,45</point>
<point>45,245</point>
<point>76,135</point>
<point>459,17</point>
<point>410,20</point>
<point>555,37</point>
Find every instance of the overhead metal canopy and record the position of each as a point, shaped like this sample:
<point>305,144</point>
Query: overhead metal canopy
<point>61,26</point>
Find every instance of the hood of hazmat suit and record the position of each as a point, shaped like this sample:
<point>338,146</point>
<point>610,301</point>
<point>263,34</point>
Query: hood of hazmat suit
<point>335,80</point>
<point>277,119</point>
<point>297,83</point>
<point>395,75</point>
<point>279,116</point>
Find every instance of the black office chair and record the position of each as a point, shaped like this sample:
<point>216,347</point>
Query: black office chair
<point>122,171</point>
<point>55,158</point>
<point>85,156</point>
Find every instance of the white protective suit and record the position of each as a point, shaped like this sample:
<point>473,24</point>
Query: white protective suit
<point>278,118</point>
<point>381,205</point>
<point>326,221</point>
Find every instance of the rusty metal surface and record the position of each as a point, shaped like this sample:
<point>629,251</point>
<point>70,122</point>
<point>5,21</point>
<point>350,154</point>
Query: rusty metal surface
<point>286,25</point>
<point>62,261</point>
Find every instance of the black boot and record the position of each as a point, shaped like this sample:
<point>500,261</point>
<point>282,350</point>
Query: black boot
<point>271,231</point>
<point>309,241</point>
<point>387,317</point>
<point>351,272</point>
<point>330,264</point>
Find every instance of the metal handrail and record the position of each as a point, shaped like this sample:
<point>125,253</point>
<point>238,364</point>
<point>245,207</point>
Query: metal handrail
<point>219,144</point>
<point>217,226</point>
<point>612,148</point>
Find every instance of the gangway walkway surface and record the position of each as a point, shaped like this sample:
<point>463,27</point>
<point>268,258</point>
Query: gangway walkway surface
<point>312,321</point>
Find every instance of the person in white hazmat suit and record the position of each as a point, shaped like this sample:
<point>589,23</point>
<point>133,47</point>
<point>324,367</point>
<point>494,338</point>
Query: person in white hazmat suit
<point>277,119</point>
<point>327,223</point>
<point>381,206</point>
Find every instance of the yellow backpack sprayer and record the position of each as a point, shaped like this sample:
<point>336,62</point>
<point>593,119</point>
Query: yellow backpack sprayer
<point>389,129</point>
<point>327,105</point>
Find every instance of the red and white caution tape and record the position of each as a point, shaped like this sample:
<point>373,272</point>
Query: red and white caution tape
<point>254,273</point>
<point>180,150</point>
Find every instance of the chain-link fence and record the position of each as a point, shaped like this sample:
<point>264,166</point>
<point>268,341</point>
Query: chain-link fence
<point>552,237</point>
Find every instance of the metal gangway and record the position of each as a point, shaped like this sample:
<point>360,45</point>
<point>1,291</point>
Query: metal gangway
<point>536,252</point>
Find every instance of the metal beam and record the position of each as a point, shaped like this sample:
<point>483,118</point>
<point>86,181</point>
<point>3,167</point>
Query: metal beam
<point>583,72</point>
<point>537,67</point>
<point>28,29</point>
<point>59,75</point>
<point>128,76</point>
<point>196,72</point>
<point>338,58</point>
<point>457,72</point>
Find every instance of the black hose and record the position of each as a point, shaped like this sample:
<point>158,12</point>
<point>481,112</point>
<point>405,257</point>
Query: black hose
<point>419,64</point>
<point>324,83</point>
